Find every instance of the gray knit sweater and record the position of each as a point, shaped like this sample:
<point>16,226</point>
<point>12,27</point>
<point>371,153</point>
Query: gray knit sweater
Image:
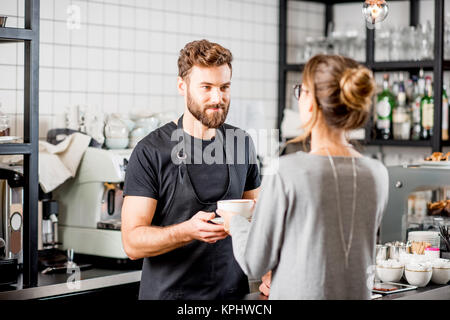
<point>295,228</point>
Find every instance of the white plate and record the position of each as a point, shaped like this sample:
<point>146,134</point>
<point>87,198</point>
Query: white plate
<point>4,139</point>
<point>399,287</point>
<point>218,220</point>
<point>436,163</point>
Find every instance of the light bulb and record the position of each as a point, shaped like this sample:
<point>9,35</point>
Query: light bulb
<point>374,11</point>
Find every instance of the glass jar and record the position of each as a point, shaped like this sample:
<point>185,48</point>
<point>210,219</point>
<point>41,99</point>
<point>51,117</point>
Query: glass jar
<point>396,52</point>
<point>308,50</point>
<point>425,43</point>
<point>411,43</point>
<point>433,253</point>
<point>351,43</point>
<point>383,43</point>
<point>4,124</point>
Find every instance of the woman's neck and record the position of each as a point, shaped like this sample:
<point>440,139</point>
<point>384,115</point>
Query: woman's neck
<point>323,138</point>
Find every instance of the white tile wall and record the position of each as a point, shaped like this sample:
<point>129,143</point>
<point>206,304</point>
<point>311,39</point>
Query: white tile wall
<point>124,54</point>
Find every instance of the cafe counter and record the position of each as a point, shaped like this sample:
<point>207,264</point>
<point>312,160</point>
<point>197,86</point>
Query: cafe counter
<point>93,282</point>
<point>430,292</point>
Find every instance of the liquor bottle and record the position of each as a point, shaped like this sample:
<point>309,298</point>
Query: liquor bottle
<point>427,110</point>
<point>409,91</point>
<point>396,84</point>
<point>384,107</point>
<point>415,111</point>
<point>444,114</point>
<point>401,118</point>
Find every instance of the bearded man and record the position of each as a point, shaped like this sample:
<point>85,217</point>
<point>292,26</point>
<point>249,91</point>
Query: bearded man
<point>174,179</point>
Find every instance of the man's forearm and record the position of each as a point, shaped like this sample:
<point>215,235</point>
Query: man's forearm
<point>149,241</point>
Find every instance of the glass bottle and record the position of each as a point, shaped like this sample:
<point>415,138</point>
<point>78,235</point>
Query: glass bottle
<point>396,85</point>
<point>4,123</point>
<point>427,110</point>
<point>384,107</point>
<point>409,91</point>
<point>400,118</point>
<point>415,111</point>
<point>444,114</point>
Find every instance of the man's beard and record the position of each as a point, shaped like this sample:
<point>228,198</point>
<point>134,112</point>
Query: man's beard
<point>214,119</point>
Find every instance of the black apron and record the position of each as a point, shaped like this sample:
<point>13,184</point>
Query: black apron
<point>198,270</point>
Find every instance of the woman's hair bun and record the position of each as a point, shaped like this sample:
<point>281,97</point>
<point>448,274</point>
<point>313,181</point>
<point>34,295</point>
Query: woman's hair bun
<point>357,87</point>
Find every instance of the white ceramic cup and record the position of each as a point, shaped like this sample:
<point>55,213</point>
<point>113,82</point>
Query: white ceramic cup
<point>243,207</point>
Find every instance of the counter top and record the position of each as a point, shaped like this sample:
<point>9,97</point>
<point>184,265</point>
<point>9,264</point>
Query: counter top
<point>57,284</point>
<point>430,292</point>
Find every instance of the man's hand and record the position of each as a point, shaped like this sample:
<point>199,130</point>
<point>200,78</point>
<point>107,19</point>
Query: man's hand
<point>199,228</point>
<point>226,215</point>
<point>265,285</point>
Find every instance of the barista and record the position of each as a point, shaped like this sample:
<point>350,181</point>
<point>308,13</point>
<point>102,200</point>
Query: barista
<point>174,179</point>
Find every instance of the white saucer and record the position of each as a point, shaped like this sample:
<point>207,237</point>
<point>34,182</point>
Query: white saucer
<point>218,220</point>
<point>436,163</point>
<point>4,139</point>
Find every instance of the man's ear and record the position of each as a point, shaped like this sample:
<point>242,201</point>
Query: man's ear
<point>181,86</point>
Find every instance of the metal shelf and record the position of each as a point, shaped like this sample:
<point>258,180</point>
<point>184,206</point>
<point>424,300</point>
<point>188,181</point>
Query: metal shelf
<point>384,65</point>
<point>16,34</point>
<point>399,143</point>
<point>30,36</point>
<point>294,67</point>
<point>401,65</point>
<point>15,148</point>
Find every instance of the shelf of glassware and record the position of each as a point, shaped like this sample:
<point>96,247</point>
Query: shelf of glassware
<point>399,143</point>
<point>385,65</point>
<point>16,34</point>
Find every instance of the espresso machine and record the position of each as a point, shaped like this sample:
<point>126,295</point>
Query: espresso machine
<point>404,180</point>
<point>90,204</point>
<point>11,223</point>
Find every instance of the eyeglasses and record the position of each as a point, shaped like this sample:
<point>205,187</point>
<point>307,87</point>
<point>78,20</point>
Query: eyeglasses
<point>298,90</point>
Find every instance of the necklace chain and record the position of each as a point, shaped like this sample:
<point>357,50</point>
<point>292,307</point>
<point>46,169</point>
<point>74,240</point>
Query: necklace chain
<point>346,246</point>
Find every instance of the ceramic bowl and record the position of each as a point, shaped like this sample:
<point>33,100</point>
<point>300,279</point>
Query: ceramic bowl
<point>389,274</point>
<point>418,278</point>
<point>440,275</point>
<point>116,143</point>
<point>139,133</point>
<point>150,123</point>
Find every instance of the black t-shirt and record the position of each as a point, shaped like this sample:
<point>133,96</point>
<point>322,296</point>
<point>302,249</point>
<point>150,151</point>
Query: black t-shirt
<point>151,172</point>
<point>200,174</point>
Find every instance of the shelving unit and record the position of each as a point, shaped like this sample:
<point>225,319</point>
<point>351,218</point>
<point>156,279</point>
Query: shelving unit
<point>29,148</point>
<point>438,65</point>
